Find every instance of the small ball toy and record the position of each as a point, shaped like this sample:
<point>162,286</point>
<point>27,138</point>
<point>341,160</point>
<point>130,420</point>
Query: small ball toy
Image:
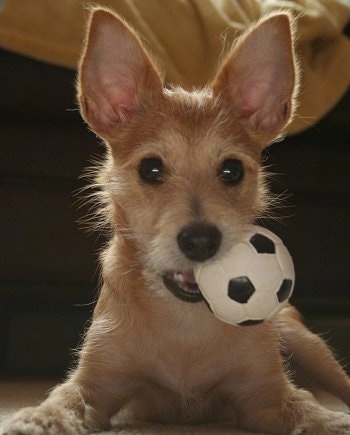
<point>252,282</point>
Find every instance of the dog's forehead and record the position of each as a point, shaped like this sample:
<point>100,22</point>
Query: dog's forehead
<point>185,123</point>
<point>198,120</point>
<point>197,108</point>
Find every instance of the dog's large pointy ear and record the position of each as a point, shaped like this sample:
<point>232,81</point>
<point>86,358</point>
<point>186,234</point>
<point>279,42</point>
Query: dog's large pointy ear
<point>258,78</point>
<point>116,74</point>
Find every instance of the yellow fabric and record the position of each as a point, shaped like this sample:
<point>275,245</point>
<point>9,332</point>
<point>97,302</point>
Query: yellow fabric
<point>188,35</point>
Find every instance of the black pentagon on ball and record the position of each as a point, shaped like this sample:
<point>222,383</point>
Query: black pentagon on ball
<point>285,290</point>
<point>262,244</point>
<point>240,289</point>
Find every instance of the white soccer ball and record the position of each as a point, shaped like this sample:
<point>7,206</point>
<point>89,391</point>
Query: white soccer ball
<point>252,283</point>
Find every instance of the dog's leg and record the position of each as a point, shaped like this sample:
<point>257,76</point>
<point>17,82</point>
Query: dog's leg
<point>62,413</point>
<point>267,400</point>
<point>98,389</point>
<point>318,420</point>
<point>297,413</point>
<point>72,408</point>
<point>313,364</point>
<point>86,402</point>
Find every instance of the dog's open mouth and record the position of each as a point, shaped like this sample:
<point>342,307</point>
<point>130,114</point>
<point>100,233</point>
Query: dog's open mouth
<point>183,285</point>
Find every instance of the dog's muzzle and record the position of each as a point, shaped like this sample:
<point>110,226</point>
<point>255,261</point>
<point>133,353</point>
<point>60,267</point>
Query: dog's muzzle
<point>183,285</point>
<point>198,242</point>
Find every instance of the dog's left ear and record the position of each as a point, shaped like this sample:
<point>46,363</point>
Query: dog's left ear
<point>258,78</point>
<point>116,75</point>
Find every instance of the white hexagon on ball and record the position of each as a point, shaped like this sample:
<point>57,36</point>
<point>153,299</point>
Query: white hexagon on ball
<point>252,282</point>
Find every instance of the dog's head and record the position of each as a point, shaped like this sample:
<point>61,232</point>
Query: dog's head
<point>182,175</point>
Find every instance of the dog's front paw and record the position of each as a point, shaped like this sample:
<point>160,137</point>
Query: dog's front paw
<point>334,423</point>
<point>42,420</point>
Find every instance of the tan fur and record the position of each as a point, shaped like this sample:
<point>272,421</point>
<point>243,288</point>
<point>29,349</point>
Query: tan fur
<point>149,357</point>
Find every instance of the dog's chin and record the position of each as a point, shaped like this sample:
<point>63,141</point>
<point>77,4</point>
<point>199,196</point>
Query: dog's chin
<point>183,285</point>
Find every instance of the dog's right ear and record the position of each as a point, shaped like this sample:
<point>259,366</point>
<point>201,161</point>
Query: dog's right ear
<point>115,76</point>
<point>259,78</point>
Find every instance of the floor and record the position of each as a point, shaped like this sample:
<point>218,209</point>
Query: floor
<point>17,394</point>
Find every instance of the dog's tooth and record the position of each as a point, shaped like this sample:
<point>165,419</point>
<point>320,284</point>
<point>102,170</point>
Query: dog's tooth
<point>179,277</point>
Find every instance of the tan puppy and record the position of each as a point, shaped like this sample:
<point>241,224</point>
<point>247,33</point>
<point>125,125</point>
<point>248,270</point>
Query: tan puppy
<point>181,178</point>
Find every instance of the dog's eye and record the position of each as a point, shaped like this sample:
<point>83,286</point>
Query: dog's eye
<point>151,170</point>
<point>231,172</point>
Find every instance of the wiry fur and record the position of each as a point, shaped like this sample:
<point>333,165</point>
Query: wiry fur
<point>148,356</point>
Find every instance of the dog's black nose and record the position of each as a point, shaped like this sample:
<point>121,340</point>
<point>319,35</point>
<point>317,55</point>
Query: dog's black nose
<point>199,242</point>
